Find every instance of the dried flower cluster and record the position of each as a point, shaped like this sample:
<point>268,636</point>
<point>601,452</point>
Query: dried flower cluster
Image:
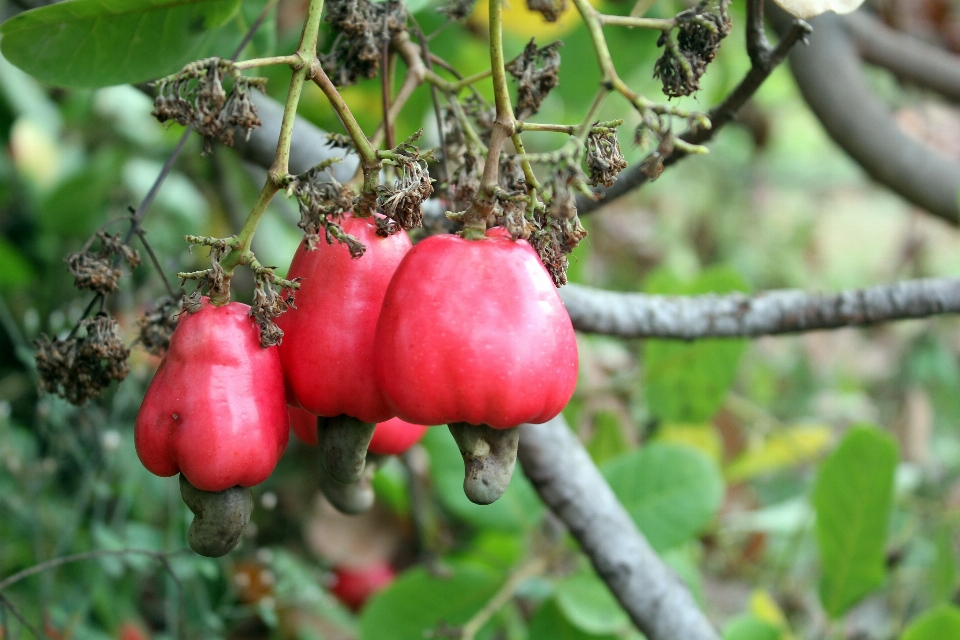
<point>79,368</point>
<point>550,9</point>
<point>457,9</point>
<point>211,279</point>
<point>604,158</point>
<point>362,28</point>
<point>96,271</point>
<point>157,325</point>
<point>401,203</point>
<point>699,33</point>
<point>269,303</point>
<point>536,73</point>
<point>323,201</point>
<point>196,97</point>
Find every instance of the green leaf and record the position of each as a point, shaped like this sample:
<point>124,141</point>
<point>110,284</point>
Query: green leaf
<point>943,574</point>
<point>852,498</point>
<point>587,604</point>
<point>687,382</point>
<point>15,270</point>
<point>417,603</point>
<point>517,509</point>
<point>671,491</point>
<point>608,440</point>
<point>940,623</point>
<point>97,43</point>
<point>549,623</point>
<point>746,627</point>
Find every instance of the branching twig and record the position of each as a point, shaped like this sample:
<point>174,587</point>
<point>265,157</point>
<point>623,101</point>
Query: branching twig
<point>764,58</point>
<point>637,315</point>
<point>530,569</point>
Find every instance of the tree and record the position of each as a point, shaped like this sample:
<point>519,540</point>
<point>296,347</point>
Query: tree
<point>642,515</point>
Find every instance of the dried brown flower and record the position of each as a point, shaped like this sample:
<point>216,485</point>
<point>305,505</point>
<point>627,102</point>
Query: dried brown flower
<point>95,271</point>
<point>79,368</point>
<point>362,27</point>
<point>551,9</point>
<point>536,73</point>
<point>157,325</point>
<point>604,158</point>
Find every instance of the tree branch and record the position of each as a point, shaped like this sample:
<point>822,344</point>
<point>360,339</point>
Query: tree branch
<point>764,59</point>
<point>637,315</point>
<point>909,58</point>
<point>830,76</point>
<point>571,485</point>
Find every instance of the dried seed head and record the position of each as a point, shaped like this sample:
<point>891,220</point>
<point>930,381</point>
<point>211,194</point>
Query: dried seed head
<point>196,97</point>
<point>457,9</point>
<point>323,201</point>
<point>512,178</point>
<point>269,303</point>
<point>536,73</point>
<point>604,158</point>
<point>551,9</point>
<point>362,28</point>
<point>96,271</point>
<point>80,368</point>
<point>156,326</point>
<point>413,185</point>
<point>684,60</point>
<point>510,212</point>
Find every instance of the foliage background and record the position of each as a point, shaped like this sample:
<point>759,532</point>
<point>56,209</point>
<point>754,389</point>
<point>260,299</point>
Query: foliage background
<point>802,486</point>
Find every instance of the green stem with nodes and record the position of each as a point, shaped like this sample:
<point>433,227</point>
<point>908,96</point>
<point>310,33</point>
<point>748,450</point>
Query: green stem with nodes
<point>659,24</point>
<point>569,129</point>
<point>290,60</point>
<point>301,62</point>
<point>369,160</point>
<point>528,175</point>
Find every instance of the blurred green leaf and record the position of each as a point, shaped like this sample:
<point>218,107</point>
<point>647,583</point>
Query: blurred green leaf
<point>671,491</point>
<point>586,602</point>
<point>15,270</point>
<point>516,510</point>
<point>746,627</point>
<point>687,382</point>
<point>852,498</point>
<point>550,623</point>
<point>943,574</point>
<point>97,43</point>
<point>940,623</point>
<point>607,441</point>
<point>418,603</point>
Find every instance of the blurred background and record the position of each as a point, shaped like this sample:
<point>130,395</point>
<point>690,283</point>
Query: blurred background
<point>712,446</point>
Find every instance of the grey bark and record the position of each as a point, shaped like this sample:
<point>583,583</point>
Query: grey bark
<point>637,315</point>
<point>562,472</point>
<point>830,76</point>
<point>907,57</point>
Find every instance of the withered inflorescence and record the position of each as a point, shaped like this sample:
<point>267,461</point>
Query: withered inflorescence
<point>536,73</point>
<point>157,325</point>
<point>195,97</point>
<point>323,201</point>
<point>79,368</point>
<point>700,30</point>
<point>362,28</point>
<point>95,271</point>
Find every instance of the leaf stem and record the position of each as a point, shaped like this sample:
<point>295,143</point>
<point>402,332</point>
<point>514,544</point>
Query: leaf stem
<point>265,62</point>
<point>659,24</point>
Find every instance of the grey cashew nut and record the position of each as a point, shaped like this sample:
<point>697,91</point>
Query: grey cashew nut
<point>219,517</point>
<point>353,498</point>
<point>489,456</point>
<point>343,446</point>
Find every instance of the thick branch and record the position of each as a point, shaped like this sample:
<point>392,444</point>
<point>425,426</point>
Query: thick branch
<point>830,76</point>
<point>764,59</point>
<point>571,485</point>
<point>637,315</point>
<point>909,58</point>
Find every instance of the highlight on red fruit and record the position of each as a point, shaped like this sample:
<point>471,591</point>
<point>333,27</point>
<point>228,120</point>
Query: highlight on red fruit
<point>354,585</point>
<point>484,339</point>
<point>215,410</point>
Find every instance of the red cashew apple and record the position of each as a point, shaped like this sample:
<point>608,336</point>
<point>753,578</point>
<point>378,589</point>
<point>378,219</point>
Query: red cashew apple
<point>474,331</point>
<point>327,348</point>
<point>215,410</point>
<point>354,585</point>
